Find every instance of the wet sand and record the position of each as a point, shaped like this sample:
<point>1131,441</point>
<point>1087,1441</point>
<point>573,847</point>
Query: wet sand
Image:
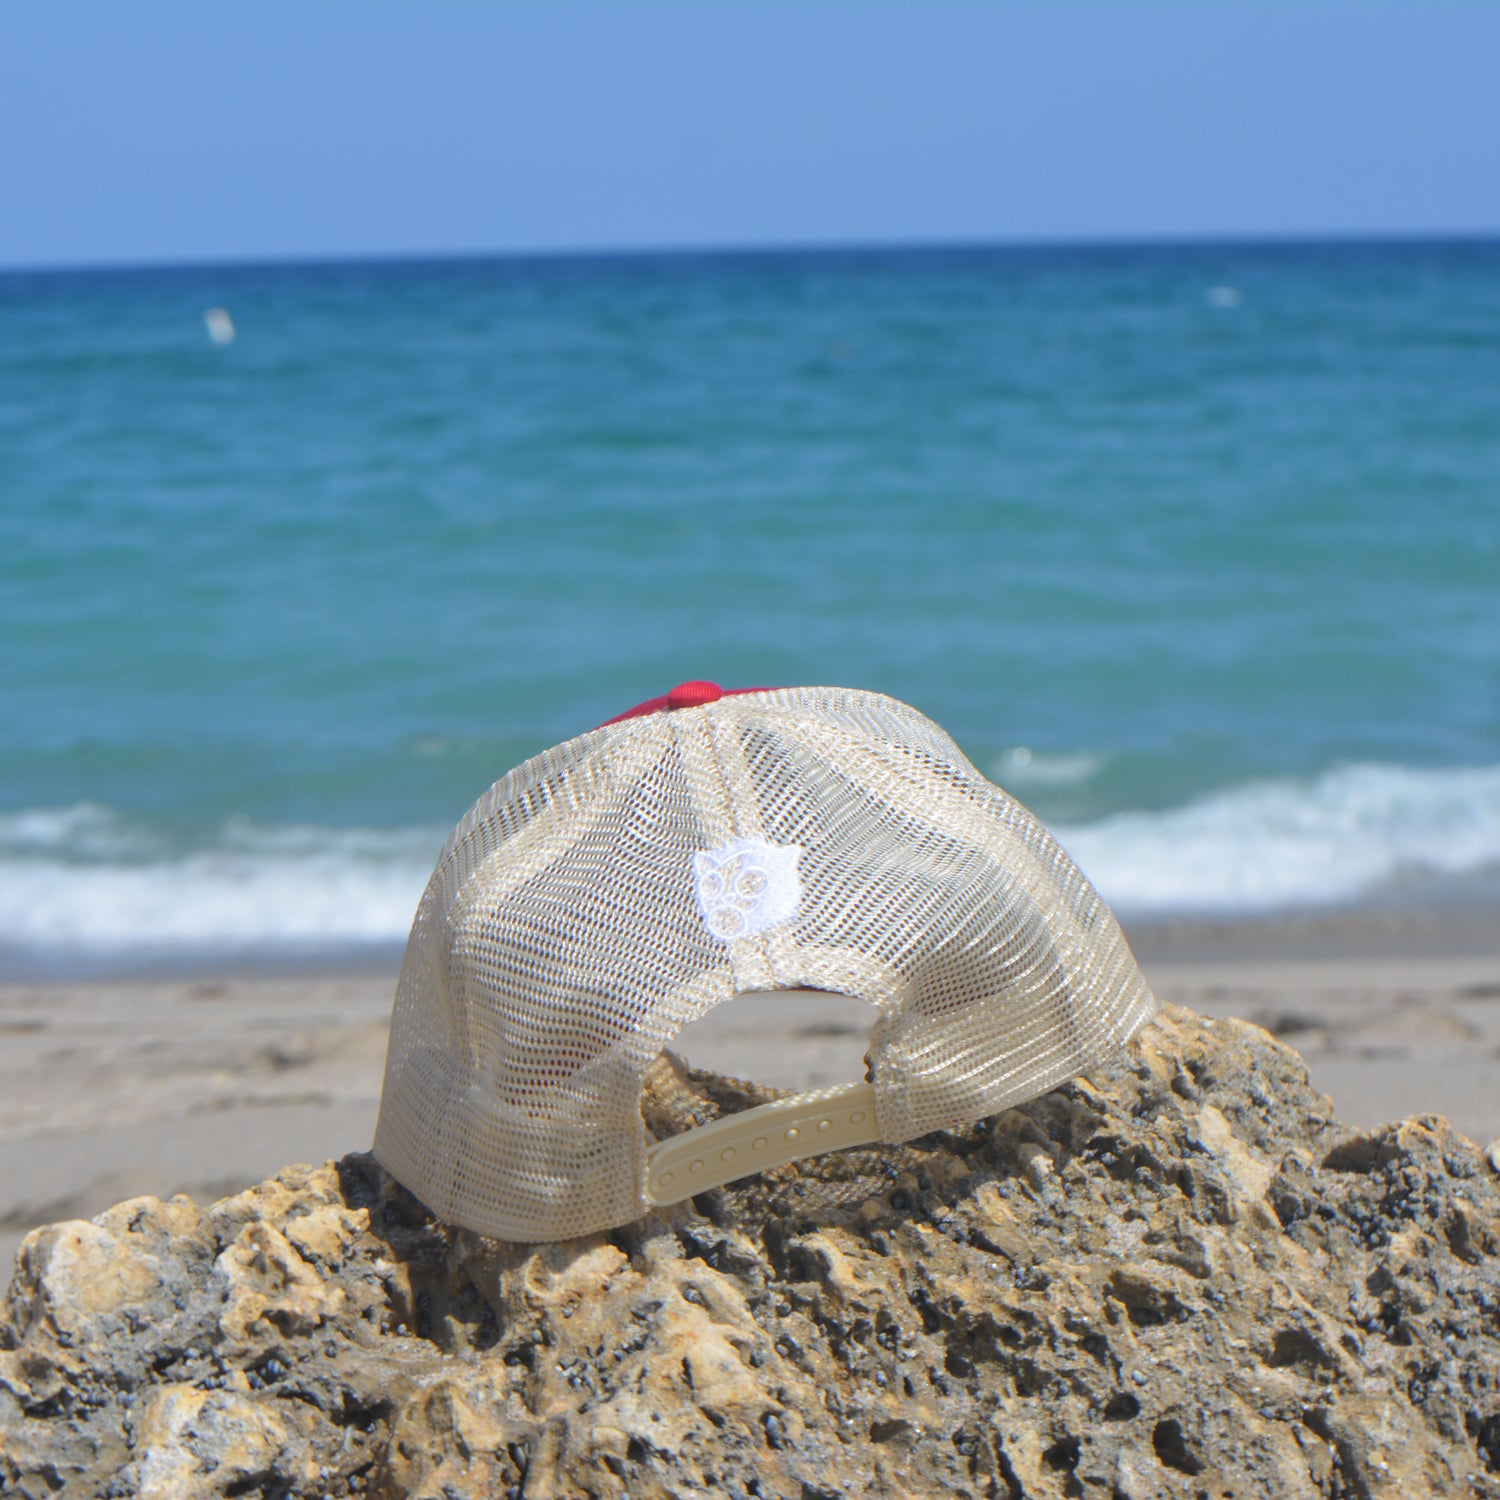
<point>109,1090</point>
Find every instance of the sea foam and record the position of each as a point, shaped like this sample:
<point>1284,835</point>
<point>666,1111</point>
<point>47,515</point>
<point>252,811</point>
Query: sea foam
<point>88,882</point>
<point>1356,832</point>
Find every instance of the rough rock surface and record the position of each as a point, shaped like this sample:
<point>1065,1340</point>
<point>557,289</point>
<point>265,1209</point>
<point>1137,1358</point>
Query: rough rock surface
<point>1187,1280</point>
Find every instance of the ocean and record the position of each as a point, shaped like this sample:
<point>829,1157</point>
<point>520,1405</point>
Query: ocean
<point>1194,549</point>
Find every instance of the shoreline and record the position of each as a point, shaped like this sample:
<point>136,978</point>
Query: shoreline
<point>207,1081</point>
<point>1467,926</point>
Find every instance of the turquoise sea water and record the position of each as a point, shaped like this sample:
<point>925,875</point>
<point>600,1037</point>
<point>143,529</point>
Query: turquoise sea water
<point>1196,550</point>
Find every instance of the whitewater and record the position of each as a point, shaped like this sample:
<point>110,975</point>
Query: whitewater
<point>93,884</point>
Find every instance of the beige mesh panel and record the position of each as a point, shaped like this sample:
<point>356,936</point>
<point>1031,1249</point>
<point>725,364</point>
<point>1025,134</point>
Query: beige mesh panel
<point>569,932</point>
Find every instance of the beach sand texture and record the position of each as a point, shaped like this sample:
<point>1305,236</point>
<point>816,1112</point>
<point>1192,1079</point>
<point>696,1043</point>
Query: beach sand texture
<point>111,1090</point>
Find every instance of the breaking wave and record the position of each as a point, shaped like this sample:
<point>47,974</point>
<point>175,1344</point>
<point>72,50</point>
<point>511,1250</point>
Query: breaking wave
<point>1354,833</point>
<point>92,884</point>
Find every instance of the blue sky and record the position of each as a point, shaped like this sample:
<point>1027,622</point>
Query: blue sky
<point>221,129</point>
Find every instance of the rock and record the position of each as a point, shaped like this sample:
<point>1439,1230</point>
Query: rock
<point>193,1442</point>
<point>1188,1280</point>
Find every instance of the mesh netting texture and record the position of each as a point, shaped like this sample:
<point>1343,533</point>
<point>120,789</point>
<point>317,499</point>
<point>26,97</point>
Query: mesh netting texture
<point>614,889</point>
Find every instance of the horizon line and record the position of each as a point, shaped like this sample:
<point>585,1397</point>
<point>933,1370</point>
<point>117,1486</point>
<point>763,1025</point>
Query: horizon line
<point>770,249</point>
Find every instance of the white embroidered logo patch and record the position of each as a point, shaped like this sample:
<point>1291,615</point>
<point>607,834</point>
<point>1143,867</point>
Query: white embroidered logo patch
<point>747,885</point>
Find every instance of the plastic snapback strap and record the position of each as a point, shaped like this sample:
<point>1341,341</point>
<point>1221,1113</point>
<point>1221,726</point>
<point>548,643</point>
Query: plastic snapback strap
<point>770,1135</point>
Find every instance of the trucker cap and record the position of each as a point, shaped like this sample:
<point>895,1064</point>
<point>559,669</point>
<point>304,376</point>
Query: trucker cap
<point>708,844</point>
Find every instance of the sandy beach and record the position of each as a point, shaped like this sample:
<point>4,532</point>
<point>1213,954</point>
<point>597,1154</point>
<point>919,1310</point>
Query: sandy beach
<point>201,1086</point>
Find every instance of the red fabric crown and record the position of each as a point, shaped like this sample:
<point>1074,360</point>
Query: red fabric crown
<point>684,695</point>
